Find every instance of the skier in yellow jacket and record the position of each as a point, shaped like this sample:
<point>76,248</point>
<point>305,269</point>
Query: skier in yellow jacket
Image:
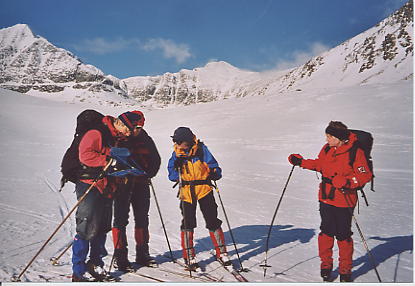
<point>193,166</point>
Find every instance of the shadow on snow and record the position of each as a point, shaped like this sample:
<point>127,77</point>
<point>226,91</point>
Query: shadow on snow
<point>251,241</point>
<point>392,246</point>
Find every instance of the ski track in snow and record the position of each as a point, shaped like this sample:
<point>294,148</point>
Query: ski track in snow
<point>251,138</point>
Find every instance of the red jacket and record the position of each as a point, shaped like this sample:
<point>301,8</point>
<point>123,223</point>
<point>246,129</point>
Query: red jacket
<point>335,161</point>
<point>94,153</point>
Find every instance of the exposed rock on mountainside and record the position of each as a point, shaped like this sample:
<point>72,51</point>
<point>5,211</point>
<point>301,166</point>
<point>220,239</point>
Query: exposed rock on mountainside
<point>29,62</point>
<point>382,54</point>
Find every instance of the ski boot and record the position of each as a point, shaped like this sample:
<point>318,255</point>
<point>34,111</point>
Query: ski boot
<point>325,273</point>
<point>224,259</point>
<point>82,278</point>
<point>142,256</point>
<point>97,271</point>
<point>191,264</point>
<point>121,260</point>
<point>346,278</point>
<point>145,259</point>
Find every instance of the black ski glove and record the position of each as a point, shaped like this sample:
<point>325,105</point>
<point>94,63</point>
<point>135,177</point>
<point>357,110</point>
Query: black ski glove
<point>213,175</point>
<point>179,162</point>
<point>295,159</point>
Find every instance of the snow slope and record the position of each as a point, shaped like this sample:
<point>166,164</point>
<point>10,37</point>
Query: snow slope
<point>251,138</point>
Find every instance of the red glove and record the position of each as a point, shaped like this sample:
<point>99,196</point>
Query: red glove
<point>295,159</point>
<point>340,182</point>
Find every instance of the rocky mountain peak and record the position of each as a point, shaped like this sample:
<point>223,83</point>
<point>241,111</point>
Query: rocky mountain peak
<point>19,36</point>
<point>382,54</point>
<point>30,63</point>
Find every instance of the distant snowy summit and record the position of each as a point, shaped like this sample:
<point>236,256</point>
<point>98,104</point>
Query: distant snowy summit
<point>216,80</point>
<point>31,64</point>
<point>382,54</point>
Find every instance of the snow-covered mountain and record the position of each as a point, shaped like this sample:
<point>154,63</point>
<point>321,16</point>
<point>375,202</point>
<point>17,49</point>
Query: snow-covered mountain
<point>216,80</point>
<point>383,53</point>
<point>30,64</point>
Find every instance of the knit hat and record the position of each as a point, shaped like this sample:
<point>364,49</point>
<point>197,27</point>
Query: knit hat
<point>132,119</point>
<point>340,133</point>
<point>183,134</point>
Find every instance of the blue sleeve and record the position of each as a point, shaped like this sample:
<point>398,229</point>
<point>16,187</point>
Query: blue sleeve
<point>211,162</point>
<point>173,174</point>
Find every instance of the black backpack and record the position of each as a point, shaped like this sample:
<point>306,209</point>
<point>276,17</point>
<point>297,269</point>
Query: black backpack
<point>364,142</point>
<point>70,166</point>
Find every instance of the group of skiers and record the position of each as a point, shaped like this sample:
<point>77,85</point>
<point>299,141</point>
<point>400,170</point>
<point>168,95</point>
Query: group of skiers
<point>107,205</point>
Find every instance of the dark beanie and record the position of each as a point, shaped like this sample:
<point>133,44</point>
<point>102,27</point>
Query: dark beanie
<point>183,134</point>
<point>132,119</point>
<point>340,133</point>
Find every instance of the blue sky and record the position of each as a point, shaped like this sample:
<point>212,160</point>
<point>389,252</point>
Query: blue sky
<point>150,37</point>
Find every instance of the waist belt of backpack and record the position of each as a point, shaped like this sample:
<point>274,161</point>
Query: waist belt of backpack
<point>89,173</point>
<point>196,183</point>
<point>192,185</point>
<point>324,196</point>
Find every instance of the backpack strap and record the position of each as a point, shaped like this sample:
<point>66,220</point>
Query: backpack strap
<point>199,152</point>
<point>352,153</point>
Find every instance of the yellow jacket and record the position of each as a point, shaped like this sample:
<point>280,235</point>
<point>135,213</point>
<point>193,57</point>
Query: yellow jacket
<point>196,167</point>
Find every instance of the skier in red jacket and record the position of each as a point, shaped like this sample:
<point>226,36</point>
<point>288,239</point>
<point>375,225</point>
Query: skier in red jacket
<point>337,195</point>
<point>94,213</point>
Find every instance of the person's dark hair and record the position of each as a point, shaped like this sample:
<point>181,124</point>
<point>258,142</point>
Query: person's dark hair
<point>338,129</point>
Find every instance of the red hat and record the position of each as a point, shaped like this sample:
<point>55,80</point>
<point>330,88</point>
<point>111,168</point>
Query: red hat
<point>132,119</point>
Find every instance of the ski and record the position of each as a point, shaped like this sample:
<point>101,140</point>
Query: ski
<point>146,276</point>
<point>238,276</point>
<point>206,277</point>
<point>134,272</point>
<point>201,276</point>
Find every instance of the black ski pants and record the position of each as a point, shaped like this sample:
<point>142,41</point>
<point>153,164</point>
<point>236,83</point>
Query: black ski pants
<point>94,213</point>
<point>336,221</point>
<point>209,210</point>
<point>136,193</point>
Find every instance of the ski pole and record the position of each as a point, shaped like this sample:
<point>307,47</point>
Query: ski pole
<point>17,279</point>
<point>54,260</point>
<point>265,265</point>
<point>229,226</point>
<point>184,219</point>
<point>369,254</point>
<point>113,256</point>
<point>161,219</point>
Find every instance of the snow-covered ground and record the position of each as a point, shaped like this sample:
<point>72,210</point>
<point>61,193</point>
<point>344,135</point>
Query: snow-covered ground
<point>251,139</point>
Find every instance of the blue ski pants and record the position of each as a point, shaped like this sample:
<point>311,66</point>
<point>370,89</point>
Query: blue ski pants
<point>93,221</point>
